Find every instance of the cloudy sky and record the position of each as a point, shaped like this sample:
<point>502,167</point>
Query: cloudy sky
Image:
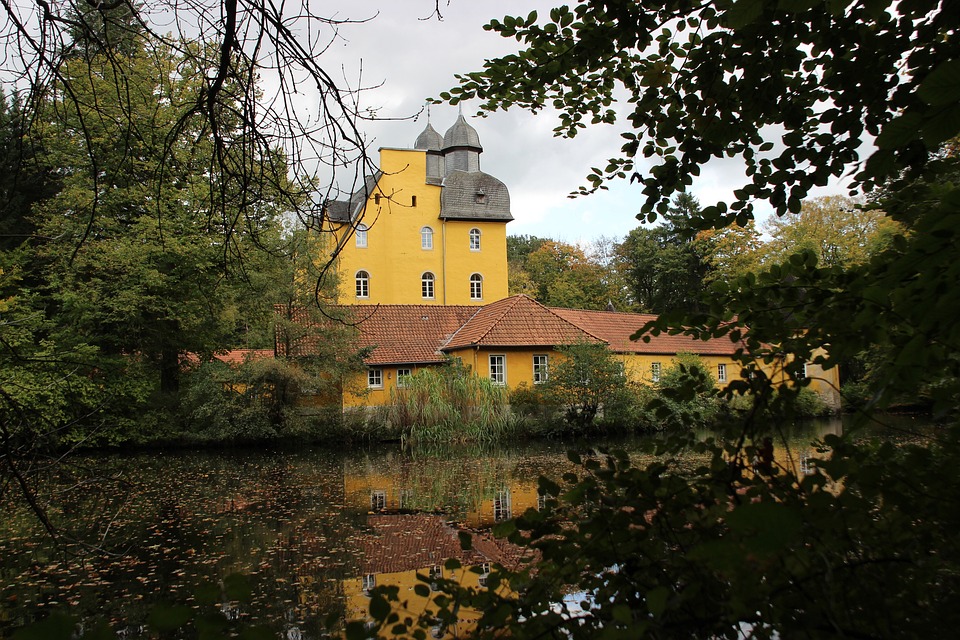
<point>413,56</point>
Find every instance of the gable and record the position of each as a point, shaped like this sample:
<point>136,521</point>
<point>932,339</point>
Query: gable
<point>517,321</point>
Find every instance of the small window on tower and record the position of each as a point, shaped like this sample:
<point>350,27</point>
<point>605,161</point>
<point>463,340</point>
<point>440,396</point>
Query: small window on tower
<point>413,201</point>
<point>481,196</point>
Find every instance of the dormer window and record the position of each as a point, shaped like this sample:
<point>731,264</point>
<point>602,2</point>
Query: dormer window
<point>481,196</point>
<point>361,235</point>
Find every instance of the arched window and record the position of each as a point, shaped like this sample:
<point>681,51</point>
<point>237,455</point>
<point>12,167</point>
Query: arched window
<point>474,239</point>
<point>361,235</point>
<point>426,285</point>
<point>476,287</point>
<point>426,238</point>
<point>363,284</point>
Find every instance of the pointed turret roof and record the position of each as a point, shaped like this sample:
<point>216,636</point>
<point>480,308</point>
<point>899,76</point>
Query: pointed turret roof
<point>461,134</point>
<point>429,139</point>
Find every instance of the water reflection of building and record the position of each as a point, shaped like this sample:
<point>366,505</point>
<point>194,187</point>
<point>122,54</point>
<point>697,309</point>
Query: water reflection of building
<point>404,550</point>
<point>793,450</point>
<point>478,506</point>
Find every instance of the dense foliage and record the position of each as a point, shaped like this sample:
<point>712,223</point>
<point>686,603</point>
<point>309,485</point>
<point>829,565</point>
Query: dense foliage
<point>120,261</point>
<point>859,547</point>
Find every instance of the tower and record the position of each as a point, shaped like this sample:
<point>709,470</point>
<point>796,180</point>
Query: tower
<point>428,228</point>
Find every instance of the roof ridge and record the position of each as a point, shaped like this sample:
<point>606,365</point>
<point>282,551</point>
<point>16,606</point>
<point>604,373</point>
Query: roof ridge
<point>507,307</point>
<point>460,328</point>
<point>553,311</point>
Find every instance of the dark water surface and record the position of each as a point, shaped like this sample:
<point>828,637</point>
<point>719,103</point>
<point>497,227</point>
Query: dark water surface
<point>283,539</point>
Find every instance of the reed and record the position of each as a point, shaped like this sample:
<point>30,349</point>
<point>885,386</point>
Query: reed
<point>449,405</point>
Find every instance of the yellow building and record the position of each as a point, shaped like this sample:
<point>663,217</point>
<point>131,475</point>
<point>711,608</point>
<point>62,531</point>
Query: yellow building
<point>516,340</point>
<point>428,228</point>
<point>424,241</point>
<point>406,550</point>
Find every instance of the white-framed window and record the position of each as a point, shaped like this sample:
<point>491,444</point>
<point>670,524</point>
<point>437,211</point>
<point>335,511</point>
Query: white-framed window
<point>474,239</point>
<point>368,582</point>
<point>426,285</point>
<point>802,373</point>
<point>498,369</point>
<point>426,238</point>
<point>476,287</point>
<point>403,377</point>
<point>502,506</point>
<point>375,378</point>
<point>361,235</point>
<point>484,574</point>
<point>363,284</point>
<point>378,500</point>
<point>540,364</point>
<point>655,371</point>
<point>722,372</point>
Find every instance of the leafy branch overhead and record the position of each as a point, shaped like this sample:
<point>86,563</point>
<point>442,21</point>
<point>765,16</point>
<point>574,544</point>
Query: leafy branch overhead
<point>793,90</point>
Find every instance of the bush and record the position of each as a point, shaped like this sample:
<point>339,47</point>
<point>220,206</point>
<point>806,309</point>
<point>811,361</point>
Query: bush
<point>626,410</point>
<point>586,378</point>
<point>686,396</point>
<point>533,404</point>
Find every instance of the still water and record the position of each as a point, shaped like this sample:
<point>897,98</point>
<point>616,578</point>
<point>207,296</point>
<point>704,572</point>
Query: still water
<point>289,540</point>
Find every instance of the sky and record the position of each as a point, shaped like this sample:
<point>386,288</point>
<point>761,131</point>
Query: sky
<point>411,55</point>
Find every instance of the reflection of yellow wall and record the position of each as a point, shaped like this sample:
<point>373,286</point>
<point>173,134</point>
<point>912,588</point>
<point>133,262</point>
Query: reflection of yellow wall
<point>359,491</point>
<point>401,205</point>
<point>791,454</point>
<point>373,491</point>
<point>358,601</point>
<point>521,496</point>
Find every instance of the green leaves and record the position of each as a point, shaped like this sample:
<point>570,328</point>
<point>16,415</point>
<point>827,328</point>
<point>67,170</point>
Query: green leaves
<point>942,85</point>
<point>767,527</point>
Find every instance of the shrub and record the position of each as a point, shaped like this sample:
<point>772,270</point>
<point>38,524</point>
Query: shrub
<point>626,410</point>
<point>686,396</point>
<point>586,378</point>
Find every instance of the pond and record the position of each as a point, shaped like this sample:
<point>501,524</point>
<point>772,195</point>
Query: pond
<point>287,540</point>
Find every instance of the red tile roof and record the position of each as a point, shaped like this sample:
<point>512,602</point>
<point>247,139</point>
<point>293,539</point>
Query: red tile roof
<point>239,356</point>
<point>395,333</point>
<point>419,334</point>
<point>408,333</point>
<point>516,322</point>
<point>404,542</point>
<point>234,357</point>
<point>615,328</point>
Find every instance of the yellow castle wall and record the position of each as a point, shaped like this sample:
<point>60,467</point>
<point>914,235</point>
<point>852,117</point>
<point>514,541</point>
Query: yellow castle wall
<point>396,212</point>
<point>638,368</point>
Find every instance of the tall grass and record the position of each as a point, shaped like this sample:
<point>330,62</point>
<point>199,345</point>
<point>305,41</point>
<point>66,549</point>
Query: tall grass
<point>449,405</point>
